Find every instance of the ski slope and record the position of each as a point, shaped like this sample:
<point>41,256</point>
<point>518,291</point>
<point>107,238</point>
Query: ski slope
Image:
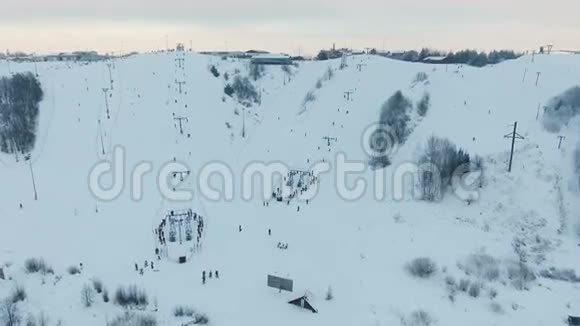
<point>359,248</point>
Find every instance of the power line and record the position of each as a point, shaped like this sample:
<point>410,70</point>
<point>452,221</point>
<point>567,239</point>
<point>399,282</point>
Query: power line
<point>347,95</point>
<point>27,158</point>
<point>101,136</point>
<point>560,142</point>
<point>106,90</point>
<point>513,135</point>
<point>243,122</point>
<point>110,75</point>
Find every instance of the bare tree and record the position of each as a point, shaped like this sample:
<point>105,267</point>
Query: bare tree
<point>40,320</point>
<point>87,295</point>
<point>9,313</point>
<point>256,71</point>
<point>424,104</point>
<point>440,161</point>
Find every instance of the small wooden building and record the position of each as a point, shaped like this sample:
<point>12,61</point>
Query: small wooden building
<point>302,302</point>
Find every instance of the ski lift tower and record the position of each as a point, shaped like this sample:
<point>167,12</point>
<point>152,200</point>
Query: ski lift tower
<point>178,225</point>
<point>546,49</point>
<point>328,139</point>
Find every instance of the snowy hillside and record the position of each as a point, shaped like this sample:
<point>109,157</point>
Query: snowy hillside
<point>358,247</point>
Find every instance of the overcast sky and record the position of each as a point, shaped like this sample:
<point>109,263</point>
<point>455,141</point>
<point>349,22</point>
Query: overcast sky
<point>287,26</point>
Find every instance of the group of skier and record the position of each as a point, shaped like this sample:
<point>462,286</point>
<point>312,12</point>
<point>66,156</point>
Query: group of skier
<point>200,225</point>
<point>146,265</point>
<point>160,232</point>
<point>211,274</point>
<point>300,188</point>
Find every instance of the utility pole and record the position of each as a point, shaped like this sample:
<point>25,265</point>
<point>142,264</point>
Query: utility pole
<point>243,122</point>
<point>538,113</point>
<point>560,142</point>
<point>101,134</point>
<point>180,83</point>
<point>546,48</point>
<point>180,62</point>
<point>106,90</point>
<point>27,158</point>
<point>343,60</point>
<point>110,76</point>
<point>328,139</point>
<point>347,95</point>
<point>181,174</point>
<point>513,135</point>
<point>180,119</point>
<point>525,73</point>
<point>35,69</point>
<point>538,77</point>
